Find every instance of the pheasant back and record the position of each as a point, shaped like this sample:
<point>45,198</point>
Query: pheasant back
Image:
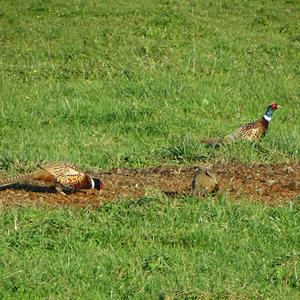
<point>68,175</point>
<point>253,131</point>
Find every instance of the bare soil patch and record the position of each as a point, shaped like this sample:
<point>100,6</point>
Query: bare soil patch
<point>272,184</point>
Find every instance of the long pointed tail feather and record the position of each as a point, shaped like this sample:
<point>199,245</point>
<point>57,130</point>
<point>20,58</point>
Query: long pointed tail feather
<point>15,179</point>
<point>213,142</point>
<point>219,141</point>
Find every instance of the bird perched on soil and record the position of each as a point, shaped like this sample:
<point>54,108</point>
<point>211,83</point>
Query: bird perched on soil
<point>252,132</point>
<point>204,181</point>
<point>63,175</point>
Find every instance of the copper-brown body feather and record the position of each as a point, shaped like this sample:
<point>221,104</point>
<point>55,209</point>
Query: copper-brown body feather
<point>252,132</point>
<point>58,173</point>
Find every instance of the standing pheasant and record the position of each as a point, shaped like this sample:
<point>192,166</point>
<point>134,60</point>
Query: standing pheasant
<point>252,132</point>
<point>63,175</point>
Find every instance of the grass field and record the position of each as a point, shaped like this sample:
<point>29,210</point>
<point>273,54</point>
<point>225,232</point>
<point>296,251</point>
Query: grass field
<point>124,84</point>
<point>119,84</point>
<point>149,249</point>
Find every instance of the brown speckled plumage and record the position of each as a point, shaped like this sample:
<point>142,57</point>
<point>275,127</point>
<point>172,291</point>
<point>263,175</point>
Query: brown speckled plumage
<point>252,132</point>
<point>61,174</point>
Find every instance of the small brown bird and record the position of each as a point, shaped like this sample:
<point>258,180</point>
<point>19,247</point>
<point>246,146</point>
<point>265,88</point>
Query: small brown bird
<point>252,132</point>
<point>63,175</point>
<point>204,181</point>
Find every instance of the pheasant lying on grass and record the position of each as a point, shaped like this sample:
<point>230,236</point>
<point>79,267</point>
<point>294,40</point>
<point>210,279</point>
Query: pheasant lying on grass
<point>204,181</point>
<point>252,132</point>
<point>63,175</point>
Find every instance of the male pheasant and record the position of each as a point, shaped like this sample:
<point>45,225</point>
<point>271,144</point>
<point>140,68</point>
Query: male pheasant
<point>63,175</point>
<point>252,132</point>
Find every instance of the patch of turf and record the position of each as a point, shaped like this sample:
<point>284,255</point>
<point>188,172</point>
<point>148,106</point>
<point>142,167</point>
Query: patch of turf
<point>106,85</point>
<point>151,248</point>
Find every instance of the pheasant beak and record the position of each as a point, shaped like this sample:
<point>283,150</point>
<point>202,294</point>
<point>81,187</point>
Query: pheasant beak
<point>278,106</point>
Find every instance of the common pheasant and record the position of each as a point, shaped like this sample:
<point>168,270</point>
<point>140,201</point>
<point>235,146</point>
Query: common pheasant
<point>252,132</point>
<point>204,181</point>
<point>63,175</point>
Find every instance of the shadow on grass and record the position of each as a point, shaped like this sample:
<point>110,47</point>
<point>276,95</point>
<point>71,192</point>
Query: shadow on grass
<point>29,188</point>
<point>174,194</point>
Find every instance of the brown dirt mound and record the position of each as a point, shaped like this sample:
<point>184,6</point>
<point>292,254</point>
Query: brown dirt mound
<point>272,184</point>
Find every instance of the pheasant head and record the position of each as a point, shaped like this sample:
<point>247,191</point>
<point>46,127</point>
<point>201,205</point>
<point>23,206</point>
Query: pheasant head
<point>268,115</point>
<point>96,183</point>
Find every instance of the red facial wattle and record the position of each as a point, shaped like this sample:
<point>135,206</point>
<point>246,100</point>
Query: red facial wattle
<point>275,106</point>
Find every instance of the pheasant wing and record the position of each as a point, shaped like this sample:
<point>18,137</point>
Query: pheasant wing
<point>251,132</point>
<point>66,174</point>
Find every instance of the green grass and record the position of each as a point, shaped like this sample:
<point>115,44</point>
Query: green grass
<point>124,84</point>
<point>154,247</point>
<point>112,84</point>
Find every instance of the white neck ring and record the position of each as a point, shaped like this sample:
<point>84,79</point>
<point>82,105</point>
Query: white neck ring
<point>267,118</point>
<point>92,183</point>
